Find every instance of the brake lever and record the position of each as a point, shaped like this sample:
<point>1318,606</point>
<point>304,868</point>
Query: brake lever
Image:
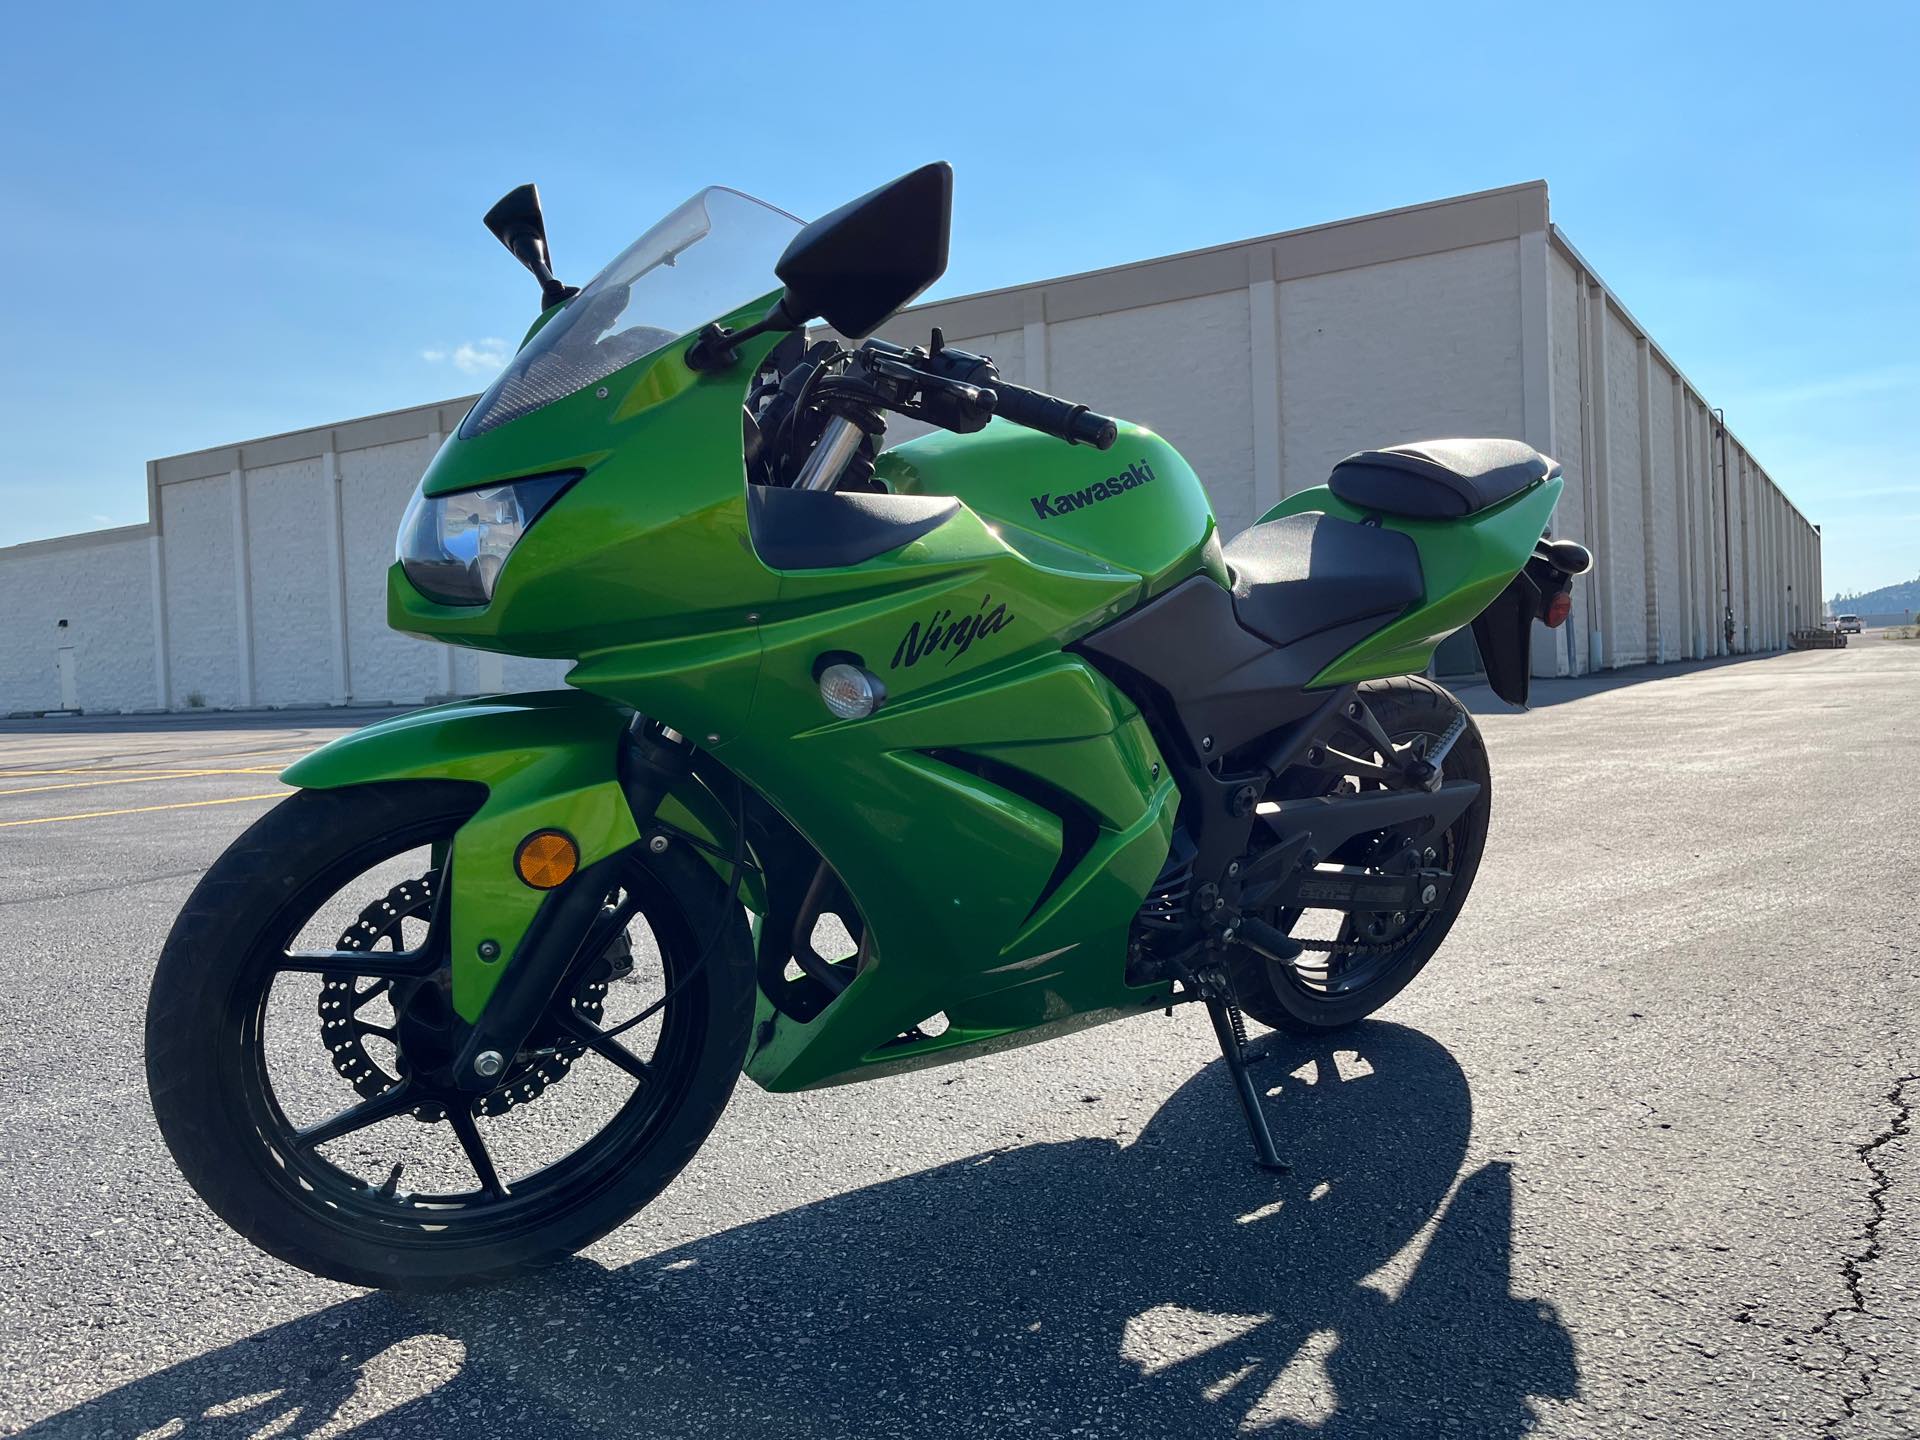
<point>956,405</point>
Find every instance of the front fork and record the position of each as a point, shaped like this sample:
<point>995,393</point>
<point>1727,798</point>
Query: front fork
<point>654,759</point>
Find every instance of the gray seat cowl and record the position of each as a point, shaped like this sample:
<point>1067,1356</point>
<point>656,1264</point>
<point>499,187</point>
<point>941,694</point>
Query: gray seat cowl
<point>1439,479</point>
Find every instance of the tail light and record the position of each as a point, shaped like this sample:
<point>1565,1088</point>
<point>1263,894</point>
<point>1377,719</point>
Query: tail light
<point>1552,567</point>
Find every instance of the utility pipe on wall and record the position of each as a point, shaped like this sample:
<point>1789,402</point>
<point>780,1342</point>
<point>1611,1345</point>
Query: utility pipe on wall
<point>1726,519</point>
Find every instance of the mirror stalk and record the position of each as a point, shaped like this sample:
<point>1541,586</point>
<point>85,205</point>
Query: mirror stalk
<point>718,348</point>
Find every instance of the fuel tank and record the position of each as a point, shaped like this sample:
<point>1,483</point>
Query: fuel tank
<point>1138,506</point>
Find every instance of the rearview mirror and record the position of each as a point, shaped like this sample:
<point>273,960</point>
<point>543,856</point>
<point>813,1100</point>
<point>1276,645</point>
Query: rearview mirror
<point>516,222</point>
<point>856,266</point>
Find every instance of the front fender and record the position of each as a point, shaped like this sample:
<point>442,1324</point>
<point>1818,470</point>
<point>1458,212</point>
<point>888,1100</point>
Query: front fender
<point>548,760</point>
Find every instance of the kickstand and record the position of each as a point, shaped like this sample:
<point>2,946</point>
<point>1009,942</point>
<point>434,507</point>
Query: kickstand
<point>1230,1032</point>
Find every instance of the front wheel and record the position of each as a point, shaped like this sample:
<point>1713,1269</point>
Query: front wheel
<point>288,1073</point>
<point>1357,964</point>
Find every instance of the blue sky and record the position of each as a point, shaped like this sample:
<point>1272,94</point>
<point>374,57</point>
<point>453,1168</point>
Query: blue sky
<point>225,222</point>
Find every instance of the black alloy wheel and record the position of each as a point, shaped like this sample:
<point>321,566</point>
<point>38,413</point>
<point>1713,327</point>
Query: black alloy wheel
<point>1355,963</point>
<point>301,1079</point>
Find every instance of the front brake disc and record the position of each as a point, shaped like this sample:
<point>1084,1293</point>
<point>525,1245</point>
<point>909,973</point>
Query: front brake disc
<point>344,1027</point>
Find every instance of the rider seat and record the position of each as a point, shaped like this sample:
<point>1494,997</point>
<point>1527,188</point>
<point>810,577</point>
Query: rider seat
<point>1438,479</point>
<point>1303,574</point>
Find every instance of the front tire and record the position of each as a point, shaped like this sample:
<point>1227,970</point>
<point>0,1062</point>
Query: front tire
<point>215,1061</point>
<point>1297,997</point>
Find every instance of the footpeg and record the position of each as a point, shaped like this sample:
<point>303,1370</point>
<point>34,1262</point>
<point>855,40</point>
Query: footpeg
<point>1231,1031</point>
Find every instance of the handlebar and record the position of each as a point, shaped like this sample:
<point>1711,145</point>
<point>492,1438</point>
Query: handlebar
<point>972,383</point>
<point>1050,415</point>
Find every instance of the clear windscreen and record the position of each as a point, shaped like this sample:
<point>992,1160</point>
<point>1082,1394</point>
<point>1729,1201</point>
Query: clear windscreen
<point>710,256</point>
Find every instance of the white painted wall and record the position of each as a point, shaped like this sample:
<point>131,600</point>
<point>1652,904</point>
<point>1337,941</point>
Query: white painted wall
<point>375,484</point>
<point>1624,542</point>
<point>102,587</point>
<point>1410,350</point>
<point>270,601</point>
<point>1664,494</point>
<point>202,597</point>
<point>287,560</point>
<point>1573,521</point>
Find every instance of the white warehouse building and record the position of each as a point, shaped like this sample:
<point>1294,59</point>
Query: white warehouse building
<point>1264,361</point>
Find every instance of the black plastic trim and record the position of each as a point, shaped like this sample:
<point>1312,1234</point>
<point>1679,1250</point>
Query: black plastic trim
<point>1079,827</point>
<point>826,529</point>
<point>1185,657</point>
<point>1504,631</point>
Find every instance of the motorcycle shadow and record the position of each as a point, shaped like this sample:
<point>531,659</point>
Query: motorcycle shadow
<point>1089,1287</point>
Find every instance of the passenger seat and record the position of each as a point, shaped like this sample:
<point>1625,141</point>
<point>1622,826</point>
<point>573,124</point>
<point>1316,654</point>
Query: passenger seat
<point>1439,479</point>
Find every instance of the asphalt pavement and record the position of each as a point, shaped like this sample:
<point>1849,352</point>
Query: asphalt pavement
<point>1632,1157</point>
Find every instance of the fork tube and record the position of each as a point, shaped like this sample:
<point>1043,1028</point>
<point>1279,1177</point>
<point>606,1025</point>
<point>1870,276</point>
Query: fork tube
<point>835,447</point>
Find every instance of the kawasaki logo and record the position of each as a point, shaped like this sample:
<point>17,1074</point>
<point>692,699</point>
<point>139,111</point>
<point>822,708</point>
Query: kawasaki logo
<point>1135,475</point>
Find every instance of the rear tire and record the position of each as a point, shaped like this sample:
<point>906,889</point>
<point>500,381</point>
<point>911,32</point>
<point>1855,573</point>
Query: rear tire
<point>1276,994</point>
<point>206,1067</point>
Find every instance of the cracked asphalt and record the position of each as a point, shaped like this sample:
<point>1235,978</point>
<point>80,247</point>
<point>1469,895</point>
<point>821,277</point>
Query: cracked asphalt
<point>1635,1155</point>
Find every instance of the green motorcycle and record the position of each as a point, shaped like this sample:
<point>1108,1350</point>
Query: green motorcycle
<point>872,759</point>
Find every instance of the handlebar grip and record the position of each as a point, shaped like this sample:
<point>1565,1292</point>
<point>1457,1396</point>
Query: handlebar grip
<point>1053,416</point>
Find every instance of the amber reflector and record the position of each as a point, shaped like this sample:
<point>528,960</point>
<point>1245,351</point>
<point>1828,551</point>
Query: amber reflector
<point>546,858</point>
<point>1558,608</point>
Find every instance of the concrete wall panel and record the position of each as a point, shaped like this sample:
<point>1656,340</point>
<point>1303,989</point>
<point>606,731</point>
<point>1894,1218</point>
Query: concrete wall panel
<point>375,484</point>
<point>1668,621</point>
<point>1627,576</point>
<point>1569,440</point>
<point>288,556</point>
<point>202,575</point>
<point>1740,506</point>
<point>1411,350</point>
<point>104,592</point>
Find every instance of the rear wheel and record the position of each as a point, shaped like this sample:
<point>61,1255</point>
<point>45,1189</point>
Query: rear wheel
<point>1356,963</point>
<point>302,1004</point>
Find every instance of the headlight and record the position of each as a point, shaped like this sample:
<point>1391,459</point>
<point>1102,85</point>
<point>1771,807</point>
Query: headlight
<point>452,546</point>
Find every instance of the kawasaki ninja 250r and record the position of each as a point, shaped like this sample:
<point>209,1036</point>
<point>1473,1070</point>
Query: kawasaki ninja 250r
<point>872,758</point>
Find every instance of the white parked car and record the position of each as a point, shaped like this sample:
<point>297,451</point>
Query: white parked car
<point>1848,624</point>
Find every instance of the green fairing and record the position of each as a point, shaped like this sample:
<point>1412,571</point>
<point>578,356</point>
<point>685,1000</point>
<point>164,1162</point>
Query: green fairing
<point>1464,563</point>
<point>948,866</point>
<point>1136,508</point>
<point>547,761</point>
<point>643,572</point>
<point>942,813</point>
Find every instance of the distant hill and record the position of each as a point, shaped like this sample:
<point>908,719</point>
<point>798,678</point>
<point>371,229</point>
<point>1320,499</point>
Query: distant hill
<point>1886,600</point>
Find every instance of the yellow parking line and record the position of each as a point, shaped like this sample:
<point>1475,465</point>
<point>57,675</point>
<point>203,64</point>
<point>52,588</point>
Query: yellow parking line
<point>145,772</point>
<point>156,769</point>
<point>132,780</point>
<point>143,809</point>
<point>138,772</point>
